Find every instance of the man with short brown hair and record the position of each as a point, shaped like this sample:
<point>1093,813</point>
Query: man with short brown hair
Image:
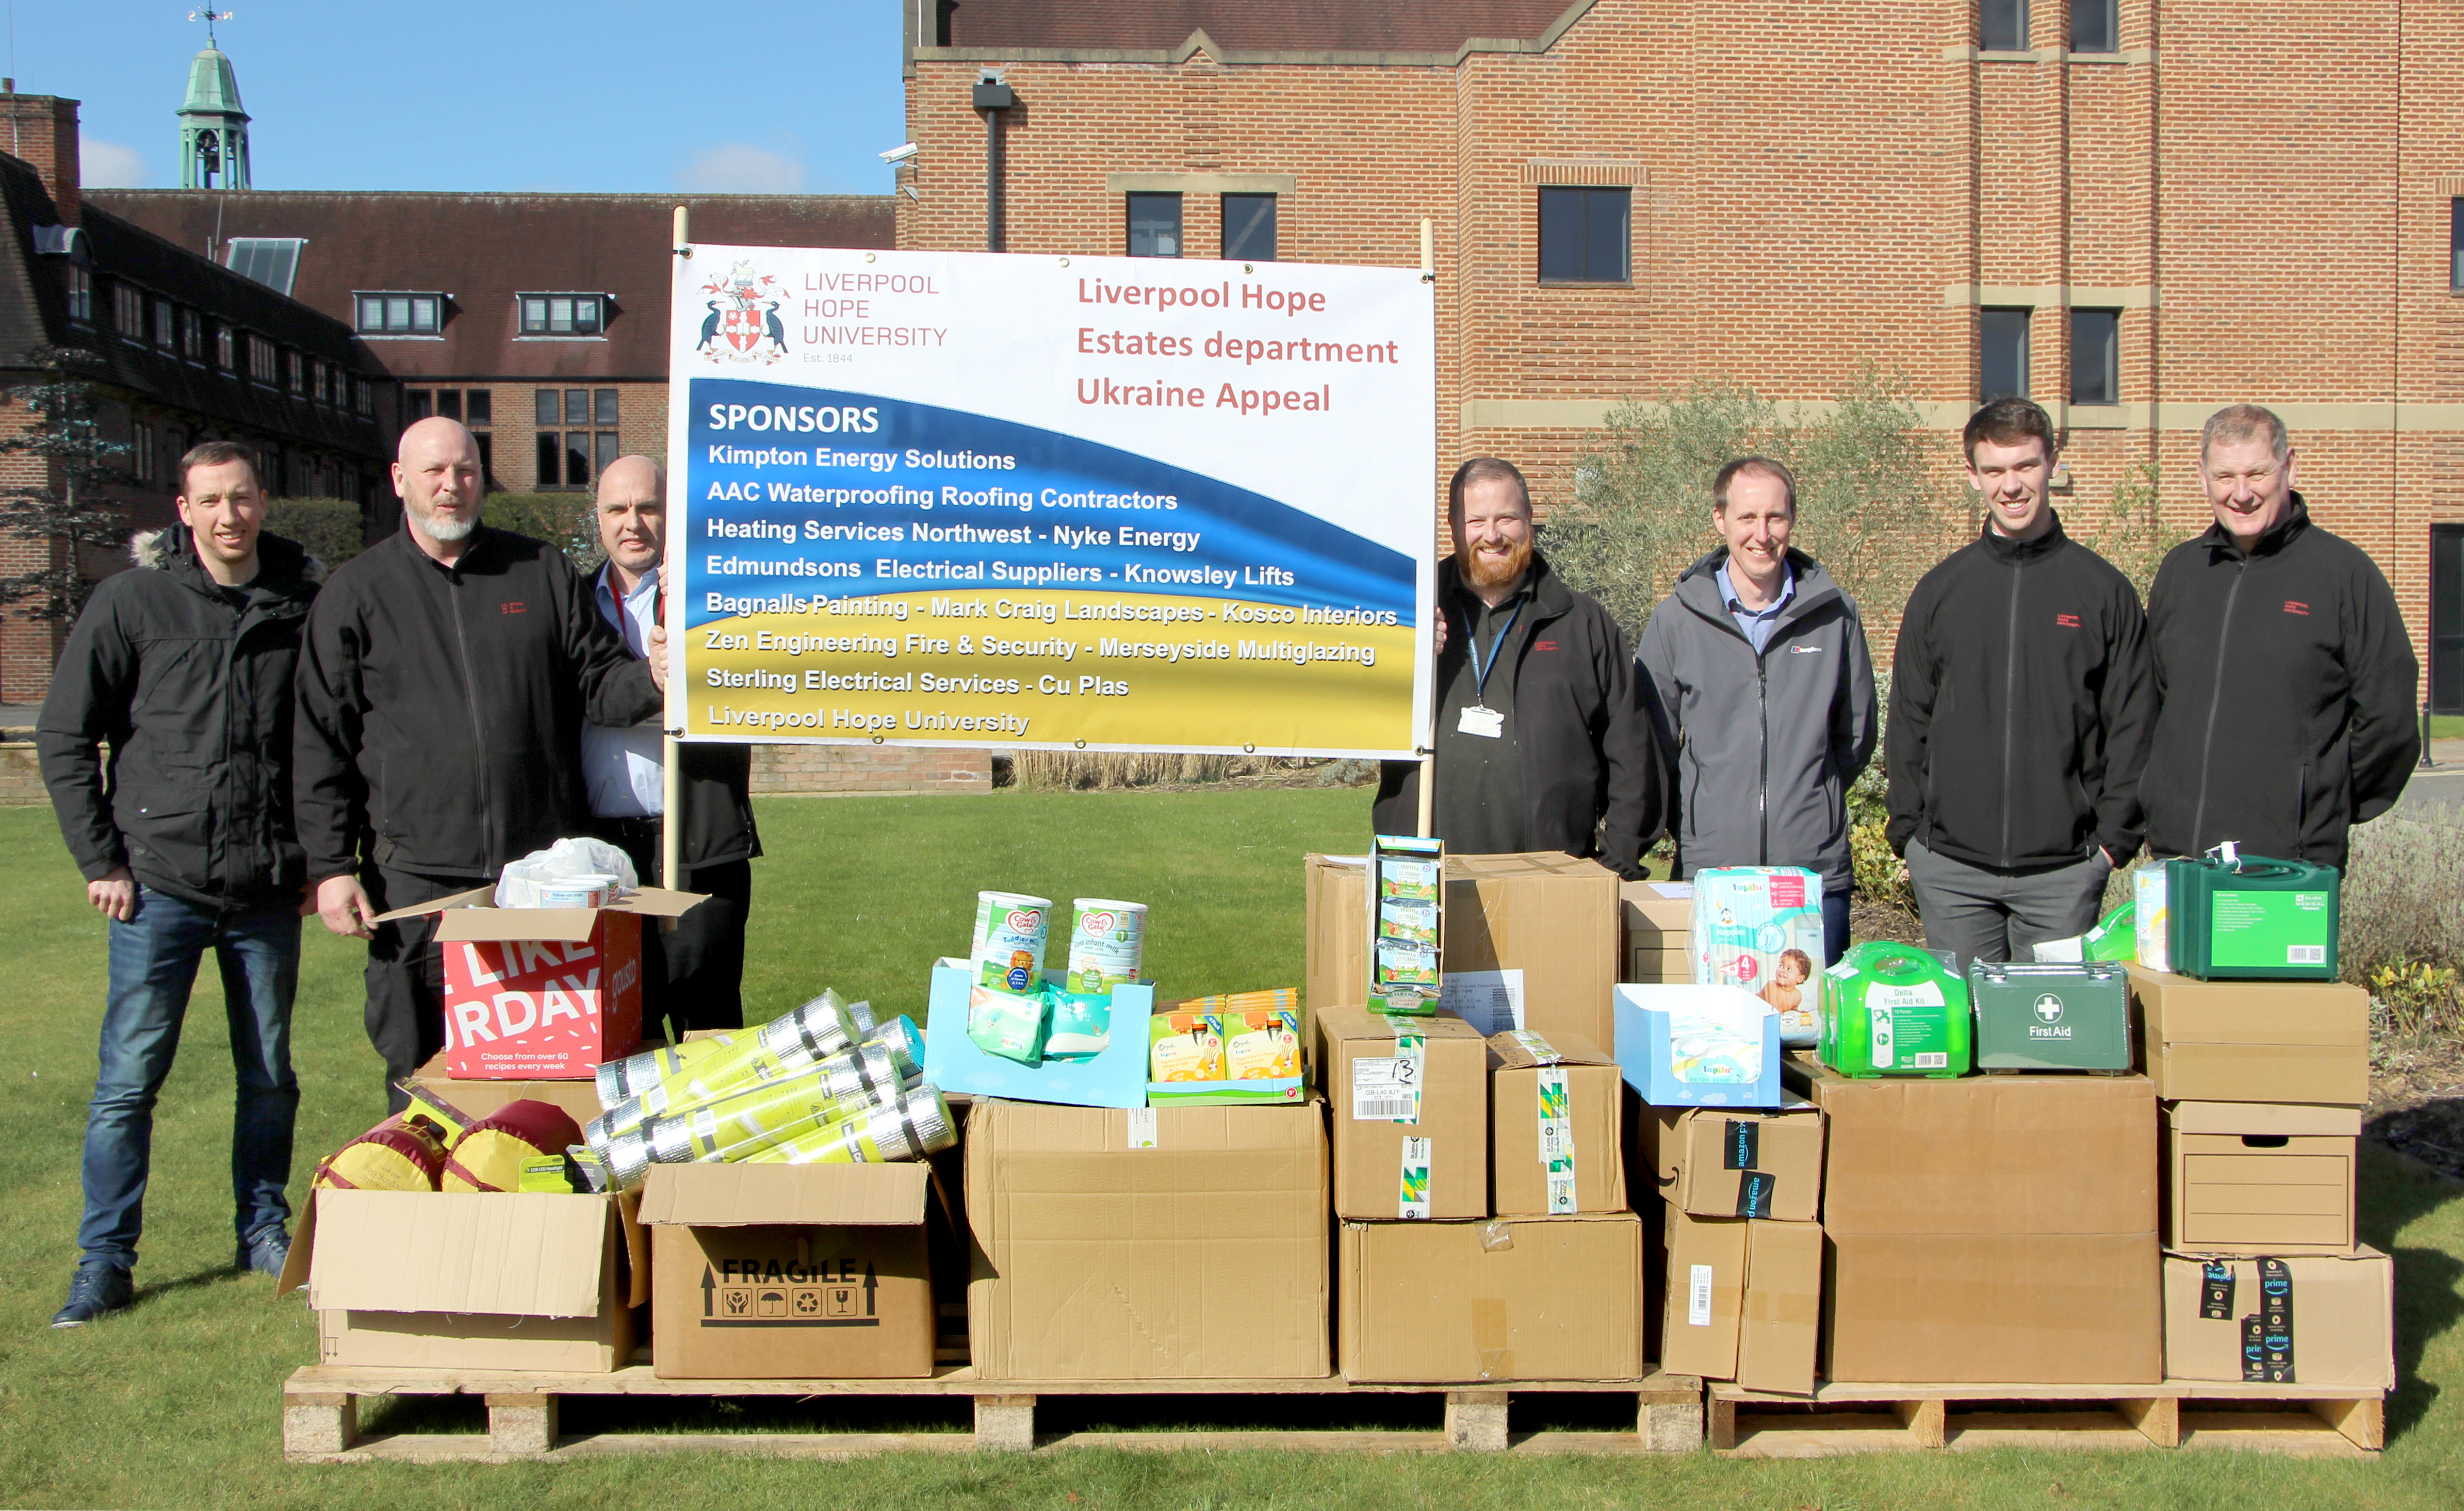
<point>2020,707</point>
<point>179,670</point>
<point>1541,740</point>
<point>2286,682</point>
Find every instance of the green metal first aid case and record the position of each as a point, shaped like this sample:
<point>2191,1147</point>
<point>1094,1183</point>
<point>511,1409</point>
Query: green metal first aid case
<point>2069,1016</point>
<point>2234,917</point>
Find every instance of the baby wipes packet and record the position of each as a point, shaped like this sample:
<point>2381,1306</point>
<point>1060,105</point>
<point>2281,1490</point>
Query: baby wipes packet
<point>1082,1026</point>
<point>1009,1024</point>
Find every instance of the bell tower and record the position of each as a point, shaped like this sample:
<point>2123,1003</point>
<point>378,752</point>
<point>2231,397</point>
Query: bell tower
<point>214,129</point>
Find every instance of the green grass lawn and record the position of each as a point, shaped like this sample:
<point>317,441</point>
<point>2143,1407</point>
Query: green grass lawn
<point>176,1403</point>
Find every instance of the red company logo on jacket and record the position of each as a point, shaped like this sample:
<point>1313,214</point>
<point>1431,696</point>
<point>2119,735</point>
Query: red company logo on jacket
<point>1544,645</point>
<point>513,608</point>
<point>2066,620</point>
<point>2293,605</point>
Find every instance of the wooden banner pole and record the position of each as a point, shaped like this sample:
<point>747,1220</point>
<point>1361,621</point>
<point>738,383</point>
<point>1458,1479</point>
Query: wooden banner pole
<point>1429,743</point>
<point>671,766</point>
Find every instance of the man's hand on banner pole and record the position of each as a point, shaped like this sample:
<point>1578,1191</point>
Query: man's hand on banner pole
<point>657,641</point>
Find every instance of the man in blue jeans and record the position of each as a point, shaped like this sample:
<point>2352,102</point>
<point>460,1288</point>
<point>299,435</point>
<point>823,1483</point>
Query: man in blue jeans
<point>179,670</point>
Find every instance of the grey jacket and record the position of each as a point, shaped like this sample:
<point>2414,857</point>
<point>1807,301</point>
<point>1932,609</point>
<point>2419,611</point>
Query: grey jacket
<point>1764,747</point>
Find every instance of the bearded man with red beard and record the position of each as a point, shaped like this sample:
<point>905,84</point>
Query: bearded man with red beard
<point>1542,743</point>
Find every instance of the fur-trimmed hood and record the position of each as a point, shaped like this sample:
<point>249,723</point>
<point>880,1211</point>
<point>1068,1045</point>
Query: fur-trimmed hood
<point>277,557</point>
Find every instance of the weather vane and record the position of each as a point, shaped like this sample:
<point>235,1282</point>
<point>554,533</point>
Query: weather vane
<point>209,15</point>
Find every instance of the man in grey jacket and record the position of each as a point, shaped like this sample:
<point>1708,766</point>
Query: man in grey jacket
<point>1761,692</point>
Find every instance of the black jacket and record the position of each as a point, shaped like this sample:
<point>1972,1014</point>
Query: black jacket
<point>440,708</point>
<point>2289,693</point>
<point>718,794</point>
<point>191,692</point>
<point>2020,707</point>
<point>1591,778</point>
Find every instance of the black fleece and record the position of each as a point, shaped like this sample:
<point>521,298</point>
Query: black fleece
<point>2020,707</point>
<point>2289,694</point>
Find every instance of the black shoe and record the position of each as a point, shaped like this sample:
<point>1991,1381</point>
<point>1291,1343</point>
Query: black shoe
<point>99,1288</point>
<point>265,1254</point>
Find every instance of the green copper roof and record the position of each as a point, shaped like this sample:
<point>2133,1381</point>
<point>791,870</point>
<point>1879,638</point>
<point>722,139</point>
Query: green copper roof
<point>213,89</point>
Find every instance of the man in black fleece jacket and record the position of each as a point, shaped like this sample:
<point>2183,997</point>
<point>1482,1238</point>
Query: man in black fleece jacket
<point>443,684</point>
<point>2020,709</point>
<point>2288,685</point>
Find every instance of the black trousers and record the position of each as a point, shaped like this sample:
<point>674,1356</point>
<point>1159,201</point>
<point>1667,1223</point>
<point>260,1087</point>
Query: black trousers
<point>693,976</point>
<point>405,974</point>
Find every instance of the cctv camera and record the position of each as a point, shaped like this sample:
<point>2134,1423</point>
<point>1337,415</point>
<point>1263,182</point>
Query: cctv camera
<point>900,154</point>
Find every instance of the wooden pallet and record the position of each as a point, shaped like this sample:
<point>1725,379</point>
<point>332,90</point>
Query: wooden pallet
<point>2303,1420</point>
<point>321,1415</point>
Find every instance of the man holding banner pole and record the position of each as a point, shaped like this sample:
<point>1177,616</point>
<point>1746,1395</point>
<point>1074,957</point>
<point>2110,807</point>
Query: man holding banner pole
<point>1541,740</point>
<point>693,975</point>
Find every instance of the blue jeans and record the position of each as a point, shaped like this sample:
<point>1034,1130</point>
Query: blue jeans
<point>154,959</point>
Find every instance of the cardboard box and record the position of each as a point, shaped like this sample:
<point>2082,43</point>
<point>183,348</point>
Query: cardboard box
<point>2297,1042</point>
<point>1593,1107</point>
<point>767,1272</point>
<point>1646,965</point>
<point>1367,1088</point>
<point>1517,1298</point>
<point>2017,1309</point>
<point>579,1099</point>
<point>1203,1256</point>
<point>1551,916</point>
<point>1647,1020</point>
<point>1743,1301</point>
<point>541,992</point>
<point>1653,916</point>
<point>2343,1320</point>
<point>1116,1077</point>
<point>1736,1162</point>
<point>1986,1155</point>
<point>471,1280</point>
<point>2254,1177</point>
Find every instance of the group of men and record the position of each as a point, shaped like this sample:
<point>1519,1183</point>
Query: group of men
<point>2042,728</point>
<point>236,739</point>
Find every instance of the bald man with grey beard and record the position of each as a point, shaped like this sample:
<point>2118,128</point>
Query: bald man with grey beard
<point>443,680</point>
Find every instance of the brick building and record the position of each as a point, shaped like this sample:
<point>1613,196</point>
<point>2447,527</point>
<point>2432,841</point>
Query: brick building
<point>2133,212</point>
<point>183,349</point>
<point>540,320</point>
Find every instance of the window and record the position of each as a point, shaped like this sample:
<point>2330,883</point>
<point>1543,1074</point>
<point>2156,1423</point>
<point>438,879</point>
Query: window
<point>1583,234</point>
<point>2096,26</point>
<point>226,355</point>
<point>2001,355</point>
<point>1154,224</point>
<point>320,384</point>
<point>263,362</point>
<point>449,403</point>
<point>487,459</point>
<point>298,363</point>
<point>141,453</point>
<point>363,398</point>
<point>81,294</point>
<point>192,335</point>
<point>2002,26</point>
<point>2096,353</point>
<point>271,260</point>
<point>128,312</point>
<point>478,408</point>
<point>166,325</point>
<point>562,313</point>
<point>1248,227</point>
<point>420,403</point>
<point>399,314</point>
<point>577,434</point>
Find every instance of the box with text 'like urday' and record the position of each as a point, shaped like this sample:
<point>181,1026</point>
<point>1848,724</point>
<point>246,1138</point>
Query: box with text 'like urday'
<point>541,992</point>
<point>789,1272</point>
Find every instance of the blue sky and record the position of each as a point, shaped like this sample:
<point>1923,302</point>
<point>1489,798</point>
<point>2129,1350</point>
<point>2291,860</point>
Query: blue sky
<point>753,96</point>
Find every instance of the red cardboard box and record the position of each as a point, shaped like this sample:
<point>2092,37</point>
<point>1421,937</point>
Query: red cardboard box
<point>541,992</point>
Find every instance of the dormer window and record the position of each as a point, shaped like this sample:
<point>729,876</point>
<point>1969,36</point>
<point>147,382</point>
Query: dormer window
<point>389,314</point>
<point>572,315</point>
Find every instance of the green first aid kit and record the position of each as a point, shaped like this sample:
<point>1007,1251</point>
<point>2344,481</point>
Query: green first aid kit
<point>1894,1010</point>
<point>2234,917</point>
<point>2051,1016</point>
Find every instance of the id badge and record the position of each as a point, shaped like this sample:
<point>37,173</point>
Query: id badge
<point>1488,723</point>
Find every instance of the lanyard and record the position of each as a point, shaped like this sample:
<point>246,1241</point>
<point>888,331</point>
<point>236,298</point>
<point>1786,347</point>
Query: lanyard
<point>1481,670</point>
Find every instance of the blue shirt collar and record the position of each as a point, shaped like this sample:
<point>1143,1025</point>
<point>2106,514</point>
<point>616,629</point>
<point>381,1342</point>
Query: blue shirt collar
<point>1728,592</point>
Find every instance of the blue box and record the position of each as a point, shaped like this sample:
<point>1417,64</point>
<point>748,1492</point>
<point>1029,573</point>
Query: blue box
<point>1642,1019</point>
<point>1116,1078</point>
